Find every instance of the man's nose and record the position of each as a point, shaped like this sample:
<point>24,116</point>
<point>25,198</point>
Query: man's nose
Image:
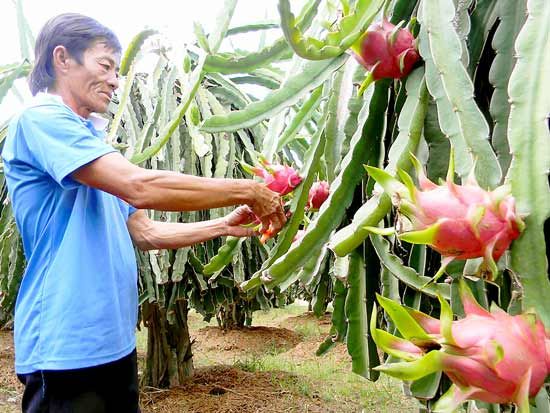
<point>113,81</point>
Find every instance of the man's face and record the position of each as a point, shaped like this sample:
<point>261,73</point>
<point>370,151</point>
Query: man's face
<point>93,82</point>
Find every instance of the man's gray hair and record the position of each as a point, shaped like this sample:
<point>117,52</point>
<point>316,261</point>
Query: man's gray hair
<point>74,31</point>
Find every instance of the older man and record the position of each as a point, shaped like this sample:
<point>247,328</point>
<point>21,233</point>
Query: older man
<point>79,205</point>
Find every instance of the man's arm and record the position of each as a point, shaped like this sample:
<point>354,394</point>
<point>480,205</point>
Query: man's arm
<point>172,191</point>
<point>148,234</point>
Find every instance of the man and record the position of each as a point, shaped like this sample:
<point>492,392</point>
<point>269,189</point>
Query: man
<point>79,205</point>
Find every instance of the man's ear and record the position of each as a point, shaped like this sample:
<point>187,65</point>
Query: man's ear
<point>61,60</point>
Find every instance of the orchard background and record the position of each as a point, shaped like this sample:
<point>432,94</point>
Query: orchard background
<point>456,89</point>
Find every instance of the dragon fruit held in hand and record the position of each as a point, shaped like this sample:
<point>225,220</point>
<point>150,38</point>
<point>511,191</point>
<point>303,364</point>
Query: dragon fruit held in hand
<point>458,221</point>
<point>279,178</point>
<point>386,50</point>
<point>489,356</point>
<point>318,194</point>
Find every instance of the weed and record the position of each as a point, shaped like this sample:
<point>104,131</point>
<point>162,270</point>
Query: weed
<point>252,364</point>
<point>308,330</point>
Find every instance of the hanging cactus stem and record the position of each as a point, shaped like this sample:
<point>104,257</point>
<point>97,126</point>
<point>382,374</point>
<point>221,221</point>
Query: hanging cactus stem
<point>380,231</point>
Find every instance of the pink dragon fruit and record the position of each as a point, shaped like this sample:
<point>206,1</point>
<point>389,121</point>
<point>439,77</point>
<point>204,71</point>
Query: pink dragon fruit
<point>489,356</point>
<point>386,50</point>
<point>318,194</point>
<point>279,178</point>
<point>458,221</point>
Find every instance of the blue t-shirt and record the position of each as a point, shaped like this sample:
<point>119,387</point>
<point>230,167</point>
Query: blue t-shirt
<point>77,304</point>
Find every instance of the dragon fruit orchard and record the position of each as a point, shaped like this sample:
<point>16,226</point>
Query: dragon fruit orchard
<point>489,356</point>
<point>458,221</point>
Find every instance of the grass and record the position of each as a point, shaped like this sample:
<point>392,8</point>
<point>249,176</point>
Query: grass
<point>141,340</point>
<point>262,318</point>
<point>331,380</point>
<point>309,329</point>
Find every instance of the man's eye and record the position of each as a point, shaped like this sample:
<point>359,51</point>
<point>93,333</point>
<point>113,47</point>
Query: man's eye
<point>105,66</point>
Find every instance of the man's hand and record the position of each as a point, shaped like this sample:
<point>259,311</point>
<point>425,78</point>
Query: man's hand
<point>235,222</point>
<point>268,207</point>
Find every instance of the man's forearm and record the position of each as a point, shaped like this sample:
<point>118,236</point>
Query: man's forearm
<point>170,235</point>
<point>171,191</point>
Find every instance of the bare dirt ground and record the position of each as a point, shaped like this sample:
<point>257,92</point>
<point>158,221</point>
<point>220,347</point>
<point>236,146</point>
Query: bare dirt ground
<point>224,383</point>
<point>10,388</point>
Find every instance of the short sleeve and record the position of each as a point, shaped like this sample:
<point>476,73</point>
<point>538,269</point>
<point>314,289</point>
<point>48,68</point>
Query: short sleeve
<point>59,141</point>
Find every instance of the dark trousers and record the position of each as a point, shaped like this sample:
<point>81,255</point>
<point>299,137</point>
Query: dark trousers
<point>107,388</point>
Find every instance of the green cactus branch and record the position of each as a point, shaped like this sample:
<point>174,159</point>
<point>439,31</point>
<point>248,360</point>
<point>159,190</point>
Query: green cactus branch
<point>449,82</point>
<point>352,26</point>
<point>528,137</point>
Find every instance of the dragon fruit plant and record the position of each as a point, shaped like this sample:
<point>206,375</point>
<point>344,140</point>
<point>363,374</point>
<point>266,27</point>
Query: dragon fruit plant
<point>458,221</point>
<point>386,51</point>
<point>491,356</point>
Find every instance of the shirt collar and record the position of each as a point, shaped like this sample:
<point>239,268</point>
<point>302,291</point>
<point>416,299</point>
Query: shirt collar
<point>98,122</point>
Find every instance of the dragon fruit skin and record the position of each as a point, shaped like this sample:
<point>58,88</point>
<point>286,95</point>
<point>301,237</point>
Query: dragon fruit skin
<point>489,356</point>
<point>458,221</point>
<point>318,194</point>
<point>387,51</point>
<point>279,178</point>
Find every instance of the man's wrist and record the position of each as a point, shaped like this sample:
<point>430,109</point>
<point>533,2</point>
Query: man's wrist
<point>222,227</point>
<point>249,191</point>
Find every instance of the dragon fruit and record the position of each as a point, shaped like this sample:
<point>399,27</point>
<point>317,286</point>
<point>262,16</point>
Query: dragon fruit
<point>279,178</point>
<point>386,50</point>
<point>491,356</point>
<point>318,194</point>
<point>458,221</point>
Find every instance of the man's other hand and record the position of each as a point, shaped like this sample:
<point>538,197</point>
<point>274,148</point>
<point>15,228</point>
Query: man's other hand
<point>240,222</point>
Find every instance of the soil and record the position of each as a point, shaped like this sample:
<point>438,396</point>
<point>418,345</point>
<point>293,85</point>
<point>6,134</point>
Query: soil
<point>10,387</point>
<point>218,385</point>
<point>214,345</point>
<point>226,389</point>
